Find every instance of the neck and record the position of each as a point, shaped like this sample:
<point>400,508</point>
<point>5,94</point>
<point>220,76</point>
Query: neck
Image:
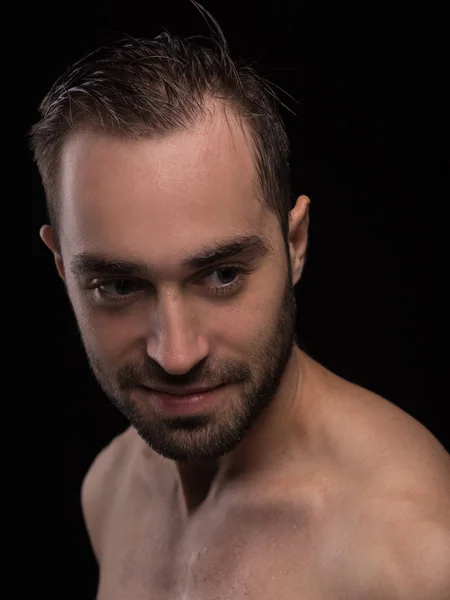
<point>263,451</point>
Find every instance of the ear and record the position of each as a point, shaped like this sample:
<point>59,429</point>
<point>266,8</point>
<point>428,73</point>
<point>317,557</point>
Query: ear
<point>298,236</point>
<point>48,237</point>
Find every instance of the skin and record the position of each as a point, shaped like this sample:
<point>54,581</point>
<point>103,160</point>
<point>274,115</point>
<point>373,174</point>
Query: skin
<point>284,427</point>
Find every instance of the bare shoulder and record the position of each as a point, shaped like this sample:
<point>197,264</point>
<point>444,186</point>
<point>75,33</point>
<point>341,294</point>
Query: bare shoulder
<point>399,537</point>
<point>109,471</point>
<point>385,445</point>
<point>112,459</point>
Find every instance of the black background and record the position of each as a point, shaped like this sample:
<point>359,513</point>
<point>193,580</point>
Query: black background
<point>368,146</point>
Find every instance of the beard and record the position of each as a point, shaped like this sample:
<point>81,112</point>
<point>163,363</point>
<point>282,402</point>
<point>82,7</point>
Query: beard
<point>219,430</point>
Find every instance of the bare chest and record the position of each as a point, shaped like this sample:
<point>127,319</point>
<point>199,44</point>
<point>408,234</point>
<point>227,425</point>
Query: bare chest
<point>250,551</point>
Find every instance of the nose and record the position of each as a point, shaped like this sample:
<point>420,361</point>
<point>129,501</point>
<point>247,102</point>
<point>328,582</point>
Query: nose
<point>175,341</point>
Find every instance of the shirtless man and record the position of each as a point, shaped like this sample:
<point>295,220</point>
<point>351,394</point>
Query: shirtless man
<point>285,481</point>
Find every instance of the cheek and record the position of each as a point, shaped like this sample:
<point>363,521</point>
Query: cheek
<point>105,334</point>
<point>115,336</point>
<point>246,324</point>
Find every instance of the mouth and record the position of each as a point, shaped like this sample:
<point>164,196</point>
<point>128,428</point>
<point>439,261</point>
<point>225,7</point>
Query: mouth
<point>186,404</point>
<point>187,391</point>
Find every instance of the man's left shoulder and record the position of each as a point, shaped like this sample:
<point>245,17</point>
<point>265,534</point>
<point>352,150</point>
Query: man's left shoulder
<point>408,495</point>
<point>418,559</point>
<point>403,499</point>
<point>405,533</point>
<point>381,442</point>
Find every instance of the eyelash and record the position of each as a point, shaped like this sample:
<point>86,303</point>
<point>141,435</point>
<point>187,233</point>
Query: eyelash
<point>217,290</point>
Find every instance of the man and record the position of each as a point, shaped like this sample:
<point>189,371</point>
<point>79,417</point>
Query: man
<point>166,176</point>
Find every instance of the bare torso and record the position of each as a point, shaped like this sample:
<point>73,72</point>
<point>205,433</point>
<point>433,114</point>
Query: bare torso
<point>319,530</point>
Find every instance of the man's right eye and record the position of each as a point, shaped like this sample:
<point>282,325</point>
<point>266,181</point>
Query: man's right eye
<point>116,290</point>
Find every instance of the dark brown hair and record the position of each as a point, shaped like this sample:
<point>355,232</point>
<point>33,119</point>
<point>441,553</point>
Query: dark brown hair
<point>138,87</point>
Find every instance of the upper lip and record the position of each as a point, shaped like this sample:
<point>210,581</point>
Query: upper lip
<point>181,391</point>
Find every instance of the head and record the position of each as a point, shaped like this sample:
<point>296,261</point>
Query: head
<point>154,155</point>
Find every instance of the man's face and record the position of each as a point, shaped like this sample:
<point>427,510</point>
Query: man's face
<point>154,203</point>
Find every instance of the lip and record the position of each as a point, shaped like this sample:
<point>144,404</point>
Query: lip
<point>182,391</point>
<point>187,404</point>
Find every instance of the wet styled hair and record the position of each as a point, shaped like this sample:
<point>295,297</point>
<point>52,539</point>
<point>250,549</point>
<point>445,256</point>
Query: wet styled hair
<point>149,88</point>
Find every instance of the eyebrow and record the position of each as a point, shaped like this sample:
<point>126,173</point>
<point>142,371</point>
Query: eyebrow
<point>252,246</point>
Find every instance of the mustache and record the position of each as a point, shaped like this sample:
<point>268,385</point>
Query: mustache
<point>149,373</point>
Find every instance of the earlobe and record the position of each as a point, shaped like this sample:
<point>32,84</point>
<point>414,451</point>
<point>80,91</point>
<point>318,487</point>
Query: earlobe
<point>48,237</point>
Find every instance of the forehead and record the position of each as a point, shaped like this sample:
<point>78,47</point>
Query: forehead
<point>161,196</point>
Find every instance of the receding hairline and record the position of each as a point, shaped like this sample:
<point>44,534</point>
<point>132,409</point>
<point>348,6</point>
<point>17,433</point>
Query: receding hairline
<point>215,111</point>
<point>210,116</point>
